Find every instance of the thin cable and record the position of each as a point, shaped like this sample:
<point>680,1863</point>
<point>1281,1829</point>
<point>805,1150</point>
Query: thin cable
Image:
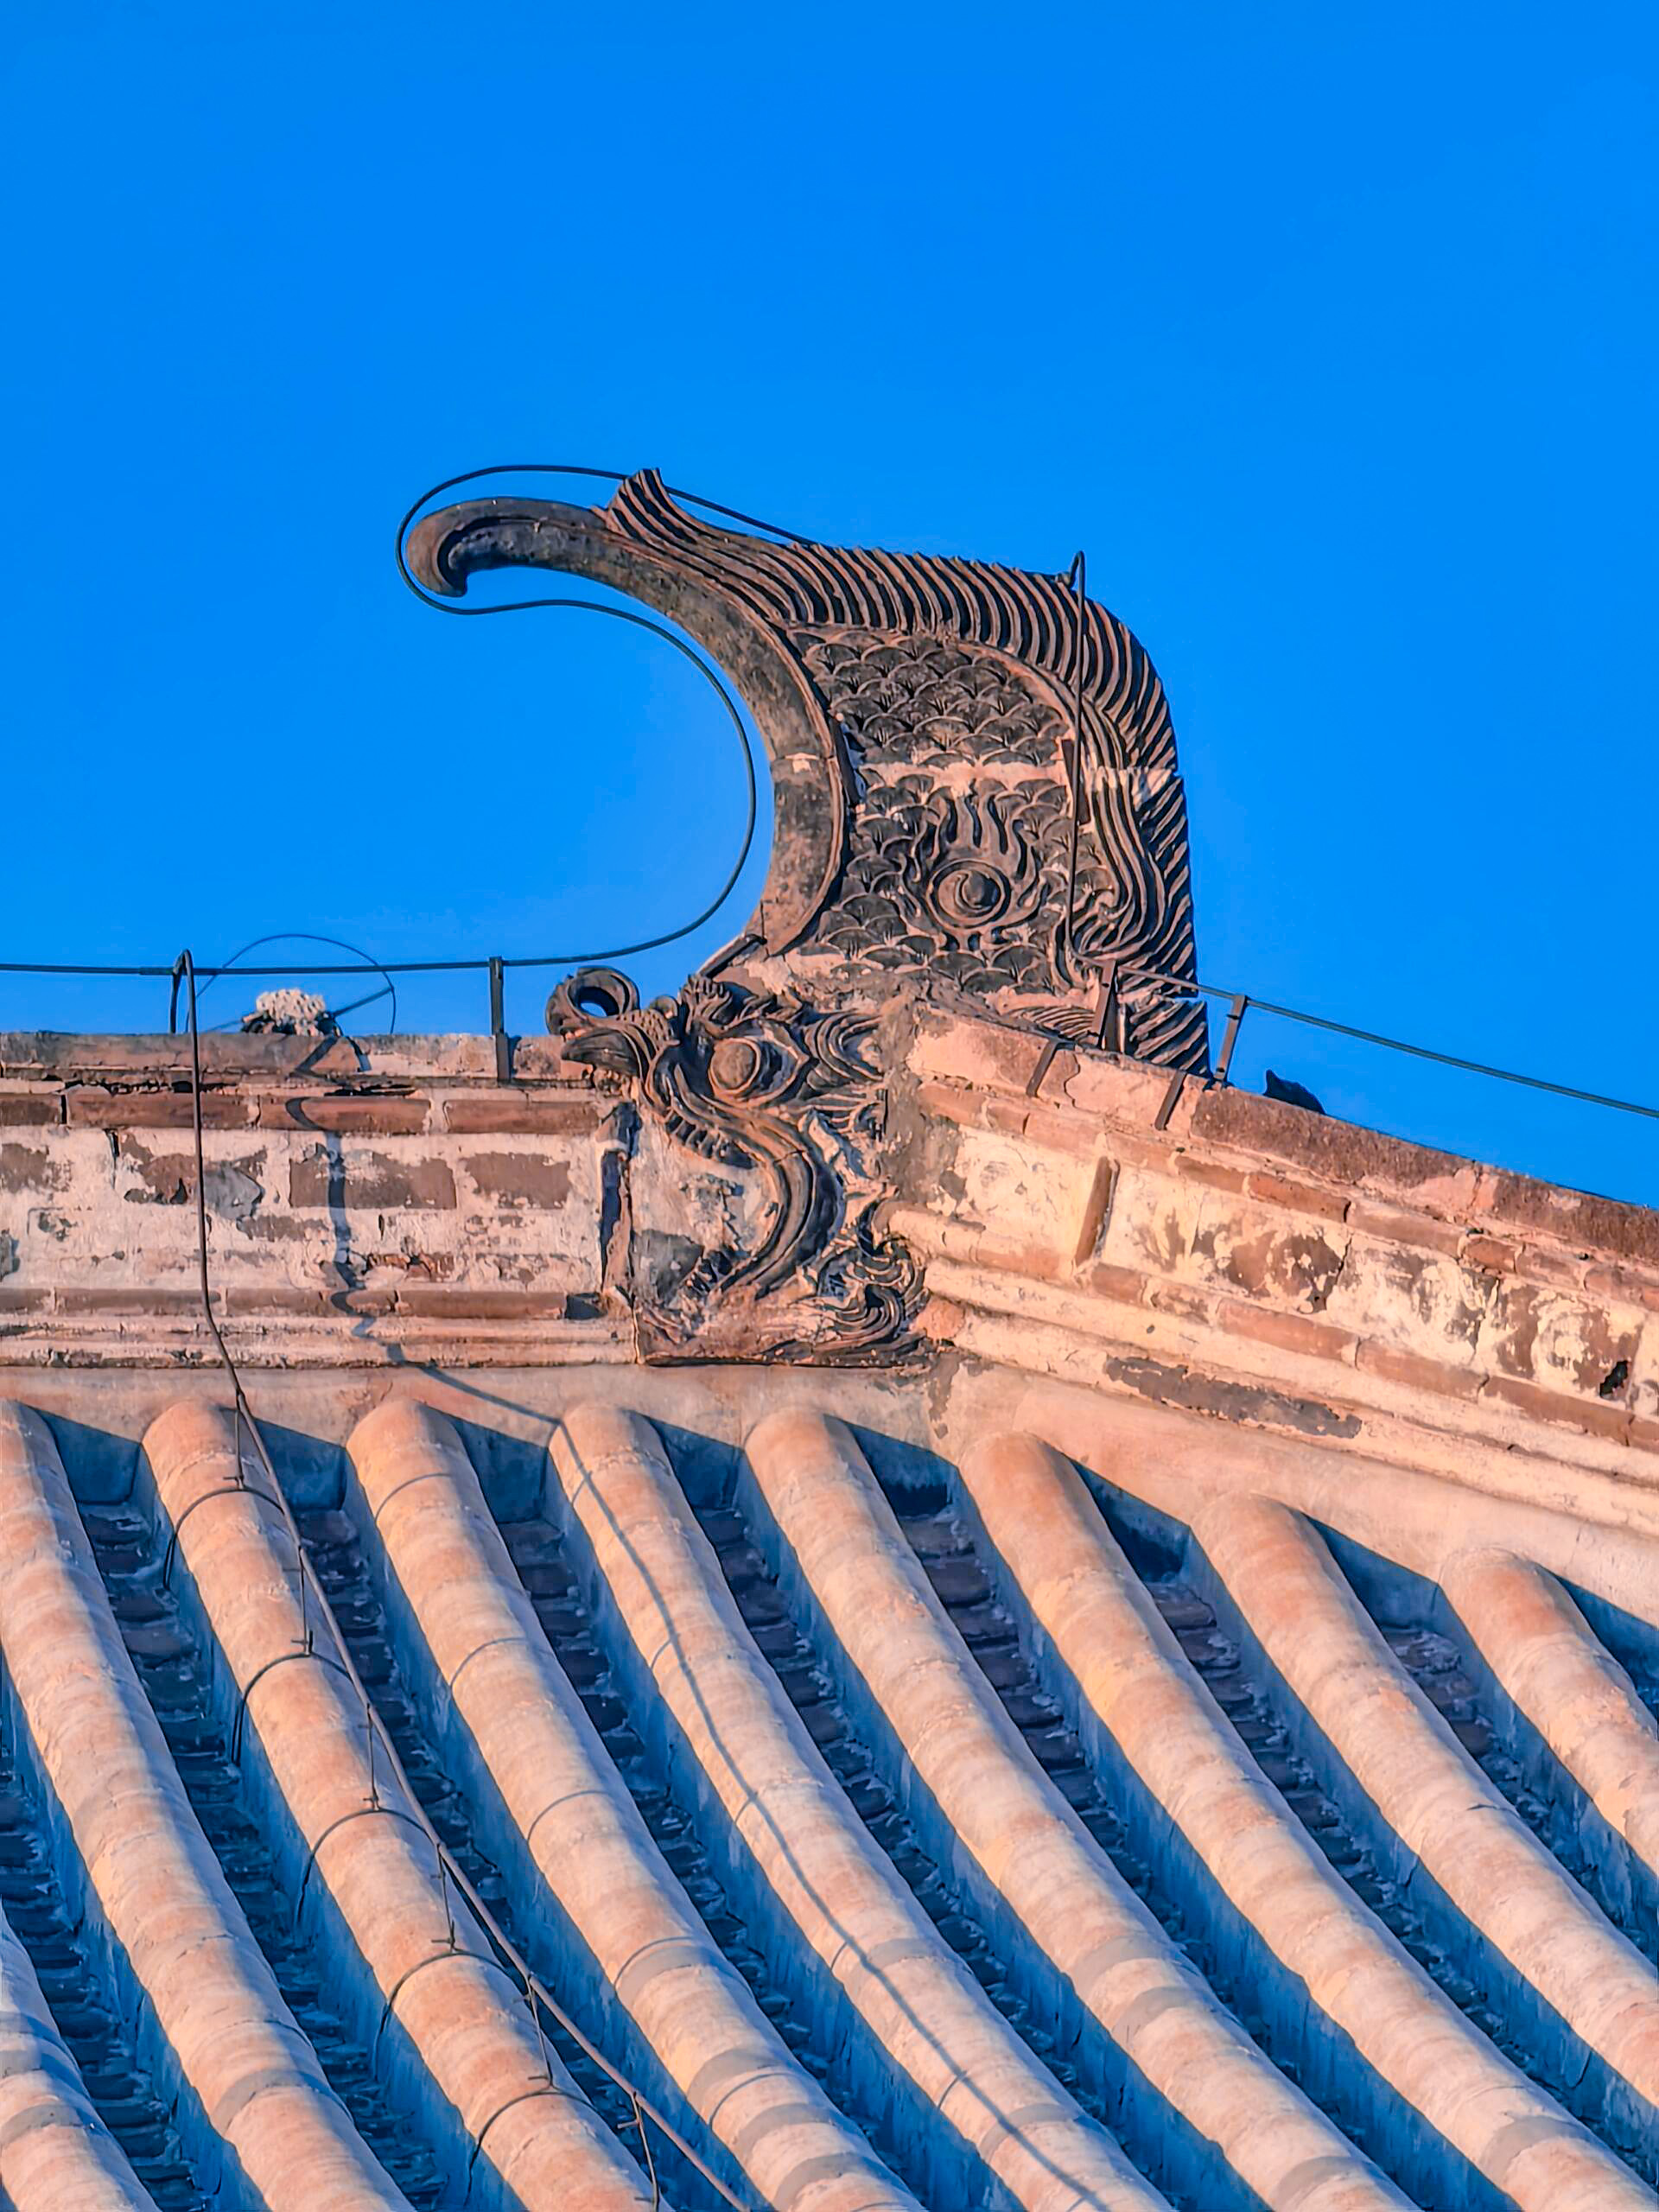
<point>306,937</point>
<point>710,674</point>
<point>575,959</point>
<point>1142,975</point>
<point>611,951</point>
<point>623,614</point>
<point>1397,1044</point>
<point>599,475</point>
<point>378,1735</point>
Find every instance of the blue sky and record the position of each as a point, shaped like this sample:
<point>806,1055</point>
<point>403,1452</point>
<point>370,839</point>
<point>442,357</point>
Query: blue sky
<point>1329,333</point>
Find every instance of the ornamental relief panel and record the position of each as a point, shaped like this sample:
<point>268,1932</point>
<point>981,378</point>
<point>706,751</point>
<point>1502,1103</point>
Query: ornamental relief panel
<point>959,845</point>
<point>776,1252</point>
<point>975,793</point>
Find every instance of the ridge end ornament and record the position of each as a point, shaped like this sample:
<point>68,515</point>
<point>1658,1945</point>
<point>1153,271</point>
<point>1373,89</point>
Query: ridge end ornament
<point>927,722</point>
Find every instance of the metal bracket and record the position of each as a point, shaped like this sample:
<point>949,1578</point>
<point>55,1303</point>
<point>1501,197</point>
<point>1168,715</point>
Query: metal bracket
<point>1229,1036</point>
<point>498,1020</point>
<point>1161,1119</point>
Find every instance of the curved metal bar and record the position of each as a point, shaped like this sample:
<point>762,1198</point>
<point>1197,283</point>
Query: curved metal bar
<point>598,476</point>
<point>356,1812</point>
<point>220,1490</point>
<point>307,1650</point>
<point>301,937</point>
<point>435,1958</point>
<point>716,683</point>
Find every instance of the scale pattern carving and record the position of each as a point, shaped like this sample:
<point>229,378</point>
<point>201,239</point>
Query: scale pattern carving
<point>966,672</point>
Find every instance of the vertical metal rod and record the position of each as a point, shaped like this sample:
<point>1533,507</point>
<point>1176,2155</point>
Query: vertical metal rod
<point>1229,1036</point>
<point>1109,1006</point>
<point>1078,581</point>
<point>541,2032</point>
<point>644,2145</point>
<point>1041,1066</point>
<point>498,1020</point>
<point>443,1892</point>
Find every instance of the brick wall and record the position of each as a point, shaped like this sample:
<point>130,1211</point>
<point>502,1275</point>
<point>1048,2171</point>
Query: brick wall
<point>1342,1268</point>
<point>389,1201</point>
<point>396,1183</point>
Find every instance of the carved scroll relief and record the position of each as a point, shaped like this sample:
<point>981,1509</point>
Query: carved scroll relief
<point>976,794</point>
<point>780,1257</point>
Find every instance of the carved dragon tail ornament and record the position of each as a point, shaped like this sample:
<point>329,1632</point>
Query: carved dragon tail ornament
<point>920,714</point>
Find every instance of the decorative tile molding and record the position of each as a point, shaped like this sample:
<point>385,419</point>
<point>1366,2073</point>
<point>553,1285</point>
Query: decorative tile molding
<point>937,829</point>
<point>920,715</point>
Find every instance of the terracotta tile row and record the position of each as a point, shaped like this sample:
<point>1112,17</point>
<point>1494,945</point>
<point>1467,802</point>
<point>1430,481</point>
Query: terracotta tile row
<point>1137,1686</point>
<point>596,1865</point>
<point>424,1966</point>
<point>945,2046</point>
<point>54,2150</point>
<point>264,2124</point>
<point>905,1841</point>
<point>1030,1852</point>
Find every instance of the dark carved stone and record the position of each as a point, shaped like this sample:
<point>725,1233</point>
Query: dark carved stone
<point>929,722</point>
<point>919,715</point>
<point>759,1084</point>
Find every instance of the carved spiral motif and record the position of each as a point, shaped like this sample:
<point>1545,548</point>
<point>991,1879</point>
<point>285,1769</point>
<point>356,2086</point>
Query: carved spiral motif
<point>970,886</point>
<point>976,867</point>
<point>969,896</point>
<point>744,1070</point>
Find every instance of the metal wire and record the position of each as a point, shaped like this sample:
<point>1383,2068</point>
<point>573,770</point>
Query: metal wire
<point>450,1870</point>
<point>623,614</point>
<point>598,476</point>
<point>602,952</point>
<point>711,674</point>
<point>1075,578</point>
<point>1243,1000</point>
<point>303,937</point>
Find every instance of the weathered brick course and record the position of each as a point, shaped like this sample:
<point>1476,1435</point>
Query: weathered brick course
<point>1599,1419</point>
<point>1398,1227</point>
<point>95,1108</point>
<point>1344,1155</point>
<point>1213,1174</point>
<point>358,1113</point>
<point>1300,1197</point>
<point>1413,1372</point>
<point>1288,1331</point>
<point>1489,1252</point>
<point>30,1110</point>
<point>436,1302</point>
<point>508,1113</point>
<point>369,1180</point>
<point>1575,1217</point>
<point>517,1179</point>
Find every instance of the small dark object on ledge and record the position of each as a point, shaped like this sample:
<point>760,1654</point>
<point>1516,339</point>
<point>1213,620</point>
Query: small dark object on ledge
<point>1614,1380</point>
<point>1292,1094</point>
